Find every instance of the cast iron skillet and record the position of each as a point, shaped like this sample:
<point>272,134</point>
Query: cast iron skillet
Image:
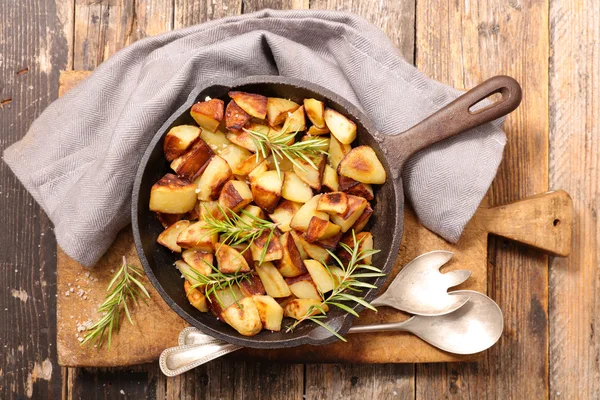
<point>386,224</point>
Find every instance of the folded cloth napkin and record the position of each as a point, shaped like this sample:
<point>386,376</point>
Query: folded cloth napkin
<point>79,158</point>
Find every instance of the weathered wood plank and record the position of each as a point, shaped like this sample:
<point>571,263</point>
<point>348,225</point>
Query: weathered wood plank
<point>256,5</point>
<point>575,166</point>
<point>462,43</point>
<point>192,12</point>
<point>32,51</point>
<point>139,382</point>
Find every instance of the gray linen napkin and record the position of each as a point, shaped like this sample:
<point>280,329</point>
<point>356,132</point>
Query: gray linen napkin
<point>79,158</point>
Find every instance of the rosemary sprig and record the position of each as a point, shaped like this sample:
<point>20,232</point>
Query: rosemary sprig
<point>236,230</point>
<point>279,145</point>
<point>123,287</point>
<point>348,282</point>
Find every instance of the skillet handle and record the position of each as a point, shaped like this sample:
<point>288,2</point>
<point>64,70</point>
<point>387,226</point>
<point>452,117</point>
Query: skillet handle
<point>456,117</point>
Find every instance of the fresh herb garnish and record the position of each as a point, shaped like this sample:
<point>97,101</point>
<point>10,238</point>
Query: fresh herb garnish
<point>346,282</point>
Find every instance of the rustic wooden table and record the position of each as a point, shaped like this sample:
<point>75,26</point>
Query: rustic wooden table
<point>550,346</point>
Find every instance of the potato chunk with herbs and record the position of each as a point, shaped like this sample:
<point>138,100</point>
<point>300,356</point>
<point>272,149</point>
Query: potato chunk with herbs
<point>172,195</point>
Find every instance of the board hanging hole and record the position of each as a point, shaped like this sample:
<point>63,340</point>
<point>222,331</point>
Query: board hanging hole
<point>556,222</point>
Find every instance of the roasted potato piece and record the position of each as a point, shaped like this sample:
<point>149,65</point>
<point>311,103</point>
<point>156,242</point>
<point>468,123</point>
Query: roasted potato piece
<point>365,240</point>
<point>195,297</point>
<point>363,220</point>
<point>315,110</point>
<point>329,182</point>
<point>337,151</point>
<point>272,280</point>
<point>222,299</point>
<point>283,214</point>
<point>252,210</point>
<point>215,175</point>
<point>350,186</point>
<point>261,168</point>
<point>306,212</point>
<point>295,189</point>
<point>284,163</point>
<point>242,139</point>
<point>251,286</point>
<point>341,127</point>
<point>272,252</point>
<point>253,104</point>
<point>303,287</point>
<point>235,195</point>
<point>208,114</point>
<point>271,313</point>
<point>235,117</point>
<point>243,316</point>
<point>188,272</point>
<point>278,109</point>
<point>266,190</point>
<point>235,155</point>
<point>362,165</point>
<point>319,229</point>
<point>298,239</point>
<point>210,208</point>
<point>356,206</point>
<point>197,236</point>
<point>216,140</point>
<point>300,308</point>
<point>312,250</point>
<point>246,166</point>
<point>333,203</point>
<point>179,139</point>
<point>314,131</point>
<point>295,122</point>
<point>310,175</point>
<point>230,260</point>
<point>330,243</point>
<point>320,275</point>
<point>172,195</point>
<point>168,237</point>
<point>191,164</point>
<point>201,261</point>
<point>167,220</point>
<point>291,264</point>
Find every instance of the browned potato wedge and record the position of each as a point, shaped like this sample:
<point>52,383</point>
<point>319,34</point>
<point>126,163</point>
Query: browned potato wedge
<point>273,251</point>
<point>246,166</point>
<point>230,260</point>
<point>215,175</point>
<point>258,170</point>
<point>362,165</point>
<point>341,127</point>
<point>271,313</point>
<point>306,212</point>
<point>284,163</point>
<point>333,203</point>
<point>208,114</point>
<point>283,214</point>
<point>356,206</point>
<point>291,263</point>
<point>188,272</point>
<point>242,139</point>
<point>363,220</point>
<point>252,210</point>
<point>272,280</point>
<point>167,220</point>
<point>244,250</point>
<point>330,243</point>
<point>168,237</point>
<point>295,189</point>
<point>210,208</point>
<point>201,261</point>
<point>266,190</point>
<point>179,139</point>
<point>235,155</point>
<point>315,110</point>
<point>313,250</point>
<point>356,188</point>
<point>329,183</point>
<point>299,240</point>
<point>172,195</point>
<point>221,299</point>
<point>197,236</point>
<point>300,308</point>
<point>235,196</point>
<point>191,164</point>
<point>252,285</point>
<point>243,316</point>
<point>235,117</point>
<point>195,297</point>
<point>216,140</point>
<point>320,275</point>
<point>366,243</point>
<point>314,131</point>
<point>303,287</point>
<point>284,301</point>
<point>310,175</point>
<point>278,109</point>
<point>253,104</point>
<point>337,151</point>
<point>295,122</point>
<point>319,229</point>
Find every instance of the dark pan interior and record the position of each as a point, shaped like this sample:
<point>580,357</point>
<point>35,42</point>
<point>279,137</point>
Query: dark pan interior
<point>386,222</point>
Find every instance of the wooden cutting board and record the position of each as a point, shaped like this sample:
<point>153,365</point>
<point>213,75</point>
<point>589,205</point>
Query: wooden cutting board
<point>543,221</point>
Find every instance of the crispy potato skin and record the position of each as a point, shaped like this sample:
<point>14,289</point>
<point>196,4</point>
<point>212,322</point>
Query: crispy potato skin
<point>231,198</point>
<point>194,161</point>
<point>315,111</point>
<point>168,237</point>
<point>230,260</point>
<point>363,220</point>
<point>277,110</point>
<point>303,287</point>
<point>266,190</point>
<point>179,139</point>
<point>252,103</point>
<point>333,203</point>
<point>198,260</point>
<point>310,175</point>
<point>291,264</point>
<point>195,297</point>
<point>196,236</point>
<point>355,188</point>
<point>252,286</point>
<point>295,121</point>
<point>172,195</point>
<point>213,108</point>
<point>167,220</point>
<point>243,317</point>
<point>363,165</point>
<point>235,117</point>
<point>274,250</point>
<point>271,313</point>
<point>299,308</point>
<point>366,243</point>
<point>356,206</point>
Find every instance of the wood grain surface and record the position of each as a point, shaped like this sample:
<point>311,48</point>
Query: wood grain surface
<point>550,46</point>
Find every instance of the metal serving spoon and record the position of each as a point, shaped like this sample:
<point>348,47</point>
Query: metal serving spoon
<point>471,329</point>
